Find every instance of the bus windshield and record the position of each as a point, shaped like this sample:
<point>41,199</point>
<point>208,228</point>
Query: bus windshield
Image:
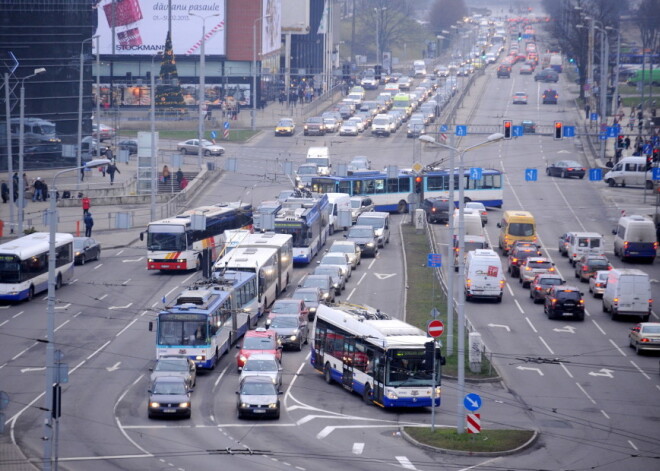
<point>171,241</point>
<point>177,332</point>
<point>298,233</point>
<point>10,269</point>
<point>409,368</point>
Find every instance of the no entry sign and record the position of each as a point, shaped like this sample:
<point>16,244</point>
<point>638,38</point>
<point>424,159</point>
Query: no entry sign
<point>435,328</point>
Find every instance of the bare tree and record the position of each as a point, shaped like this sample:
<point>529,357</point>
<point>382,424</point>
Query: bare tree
<point>648,16</point>
<point>445,13</point>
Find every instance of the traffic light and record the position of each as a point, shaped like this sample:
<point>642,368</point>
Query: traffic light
<point>419,185</point>
<point>507,129</point>
<point>346,71</point>
<point>559,130</point>
<point>483,54</point>
<point>519,36</point>
<point>649,162</point>
<point>378,72</point>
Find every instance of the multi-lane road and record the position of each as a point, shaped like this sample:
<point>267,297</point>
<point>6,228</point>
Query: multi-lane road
<point>593,400</point>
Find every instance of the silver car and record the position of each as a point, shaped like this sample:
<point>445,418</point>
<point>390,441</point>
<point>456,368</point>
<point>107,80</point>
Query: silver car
<point>338,259</point>
<point>598,283</point>
<point>349,248</point>
<point>191,146</point>
<point>174,365</point>
<point>335,274</point>
<point>263,364</point>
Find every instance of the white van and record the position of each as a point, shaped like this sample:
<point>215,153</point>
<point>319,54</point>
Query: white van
<point>380,221</point>
<point>472,223</point>
<point>584,243</point>
<point>628,293</point>
<point>339,202</point>
<point>484,277</point>
<point>471,243</point>
<point>321,157</point>
<point>383,125</point>
<point>629,171</point>
<point>635,238</point>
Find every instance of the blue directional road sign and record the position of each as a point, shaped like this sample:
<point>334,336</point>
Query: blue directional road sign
<point>612,131</point>
<point>444,128</point>
<point>434,260</point>
<point>569,131</point>
<point>472,402</point>
<point>594,117</point>
<point>461,130</point>
<point>602,136</point>
<point>214,134</point>
<point>595,174</point>
<point>517,131</point>
<point>647,149</point>
<point>476,173</point>
<point>226,125</point>
<point>656,174</point>
<point>531,174</point>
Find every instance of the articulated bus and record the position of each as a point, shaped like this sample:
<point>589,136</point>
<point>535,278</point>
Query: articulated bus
<point>177,243</point>
<point>283,243</point>
<point>307,221</point>
<point>24,265</point>
<point>386,361</point>
<point>207,319</point>
<point>391,194</point>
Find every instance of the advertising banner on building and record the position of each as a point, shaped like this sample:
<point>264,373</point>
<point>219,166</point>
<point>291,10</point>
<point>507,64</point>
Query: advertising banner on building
<point>140,26</point>
<point>271,30</point>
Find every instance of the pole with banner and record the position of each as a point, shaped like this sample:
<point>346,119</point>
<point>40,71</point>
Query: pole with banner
<point>434,329</point>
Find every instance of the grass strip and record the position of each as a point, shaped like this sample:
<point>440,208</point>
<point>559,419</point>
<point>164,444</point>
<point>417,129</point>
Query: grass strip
<point>486,441</point>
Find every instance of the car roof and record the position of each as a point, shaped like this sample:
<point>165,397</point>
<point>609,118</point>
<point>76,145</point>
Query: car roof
<point>170,379</point>
<point>262,356</point>
<point>257,379</point>
<point>259,333</point>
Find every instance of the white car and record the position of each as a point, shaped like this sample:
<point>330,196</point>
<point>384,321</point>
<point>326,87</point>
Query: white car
<point>349,248</point>
<point>339,259</point>
<point>359,122</point>
<point>359,163</point>
<point>598,283</point>
<point>191,146</point>
<point>349,128</point>
<point>481,209</point>
<point>263,364</point>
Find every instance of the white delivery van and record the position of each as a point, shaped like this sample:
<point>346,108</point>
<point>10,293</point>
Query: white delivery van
<point>635,238</point>
<point>628,293</point>
<point>629,171</point>
<point>339,202</point>
<point>484,277</point>
<point>383,125</point>
<point>321,157</point>
<point>584,243</point>
<point>472,223</point>
<point>470,243</point>
<point>380,221</point>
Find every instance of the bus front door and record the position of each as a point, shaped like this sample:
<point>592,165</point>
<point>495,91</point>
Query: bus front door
<point>349,356</point>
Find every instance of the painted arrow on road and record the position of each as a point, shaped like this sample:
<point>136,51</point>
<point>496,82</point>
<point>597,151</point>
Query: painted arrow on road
<point>120,307</point>
<point>525,368</point>
<point>566,328</point>
<point>500,325</point>
<point>114,367</point>
<point>27,370</point>
<point>133,260</point>
<point>603,372</point>
<point>384,276</point>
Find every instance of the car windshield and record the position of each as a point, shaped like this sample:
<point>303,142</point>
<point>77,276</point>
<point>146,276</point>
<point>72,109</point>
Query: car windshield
<point>333,260</point>
<point>568,295</point>
<point>597,262</point>
<point>326,270</point>
<point>284,322</point>
<point>259,343</point>
<point>356,204</point>
<point>258,389</point>
<point>171,365</point>
<point>169,388</point>
<point>521,229</point>
<point>342,249</point>
<point>316,283</point>
<point>539,264</point>
<point>78,244</point>
<point>550,281</point>
<point>361,233</point>
<point>285,308</point>
<point>260,365</point>
<point>307,170</point>
<point>651,329</point>
<point>306,296</point>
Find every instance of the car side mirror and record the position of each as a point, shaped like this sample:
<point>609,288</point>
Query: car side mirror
<point>141,236</point>
<point>238,347</point>
<point>149,391</point>
<point>151,326</point>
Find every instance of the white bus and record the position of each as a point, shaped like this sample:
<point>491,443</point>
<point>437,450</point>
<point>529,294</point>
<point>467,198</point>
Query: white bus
<point>176,244</point>
<point>263,262</point>
<point>307,221</point>
<point>386,361</point>
<point>24,265</point>
<point>419,66</point>
<point>284,245</point>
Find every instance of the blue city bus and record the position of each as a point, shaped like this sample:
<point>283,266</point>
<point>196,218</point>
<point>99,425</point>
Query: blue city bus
<point>307,220</point>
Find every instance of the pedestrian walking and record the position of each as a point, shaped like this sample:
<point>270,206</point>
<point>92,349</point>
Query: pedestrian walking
<point>179,177</point>
<point>626,142</point>
<point>38,190</point>
<point>112,168</point>
<point>5,192</point>
<point>86,204</point>
<point>166,174</point>
<point>89,223</point>
<point>587,111</point>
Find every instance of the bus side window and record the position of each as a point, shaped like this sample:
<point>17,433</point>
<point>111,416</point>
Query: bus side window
<point>345,187</point>
<point>392,185</point>
<point>380,186</point>
<point>404,184</point>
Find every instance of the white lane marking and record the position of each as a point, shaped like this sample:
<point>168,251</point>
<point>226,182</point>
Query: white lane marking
<point>586,393</point>
<point>508,329</point>
<point>119,425</point>
<point>405,462</point>
<point>602,372</point>
<point>4,322</point>
<point>546,345</point>
<point>618,348</point>
<point>361,278</point>
<point>66,306</point>
<point>519,306</point>
<point>126,282</point>
<point>98,349</point>
<point>324,433</point>
<point>77,314</point>
<point>372,263</point>
<point>566,370</point>
<point>633,445</point>
<point>120,252</point>
<point>358,448</point>
<point>27,370</point>
<point>17,314</point>
<point>108,457</point>
<point>185,281</point>
<point>567,328</point>
<point>348,298</point>
<point>480,464</point>
<point>22,352</point>
<point>143,313</point>
<point>132,260</point>
<point>62,324</point>
<point>640,370</point>
<point>176,288</point>
<point>111,308</point>
<point>98,266</point>
<point>598,327</point>
<point>384,276</point>
<point>220,376</point>
<point>531,325</point>
<point>605,414</point>
<point>510,290</point>
<point>114,367</point>
<point>125,328</point>
<point>101,298</point>
<point>527,368</point>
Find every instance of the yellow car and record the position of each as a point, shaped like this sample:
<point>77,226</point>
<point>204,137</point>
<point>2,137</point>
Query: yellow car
<point>286,127</point>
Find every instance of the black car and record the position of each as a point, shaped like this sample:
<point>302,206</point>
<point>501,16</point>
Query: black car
<point>550,97</point>
<point>314,126</point>
<point>365,238</point>
<point>85,249</point>
<point>547,75</point>
<point>436,209</point>
<point>257,396</point>
<point>504,71</point>
<point>564,301</point>
<point>169,396</point>
<point>529,127</point>
<point>565,169</point>
<point>131,145</point>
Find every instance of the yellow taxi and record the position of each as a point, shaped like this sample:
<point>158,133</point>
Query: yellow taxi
<point>285,127</point>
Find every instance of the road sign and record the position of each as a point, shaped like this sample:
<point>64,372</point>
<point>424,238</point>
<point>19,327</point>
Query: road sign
<point>656,174</point>
<point>595,174</point>
<point>435,313</point>
<point>602,136</point>
<point>531,174</point>
<point>444,128</point>
<point>417,167</point>
<point>569,131</point>
<point>461,130</point>
<point>476,173</point>
<point>214,134</point>
<point>472,402</point>
<point>647,149</point>
<point>517,131</point>
<point>473,423</point>
<point>612,131</point>
<point>594,116</point>
<point>434,260</point>
<point>225,133</point>
<point>435,328</point>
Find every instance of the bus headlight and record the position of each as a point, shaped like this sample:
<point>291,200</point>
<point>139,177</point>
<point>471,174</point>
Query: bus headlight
<point>438,390</point>
<point>391,394</point>
<point>199,357</point>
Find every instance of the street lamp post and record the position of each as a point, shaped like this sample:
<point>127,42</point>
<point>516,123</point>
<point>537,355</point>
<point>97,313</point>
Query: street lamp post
<point>21,149</point>
<point>460,304</point>
<point>80,106</point>
<point>154,158</point>
<point>254,71</point>
<point>202,86</point>
<point>10,157</point>
<point>51,374</point>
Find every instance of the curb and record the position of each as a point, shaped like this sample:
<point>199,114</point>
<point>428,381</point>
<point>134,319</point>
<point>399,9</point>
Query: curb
<point>447,451</point>
<point>492,379</point>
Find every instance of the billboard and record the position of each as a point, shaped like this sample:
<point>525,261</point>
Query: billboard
<point>295,18</point>
<point>140,26</point>
<point>271,28</point>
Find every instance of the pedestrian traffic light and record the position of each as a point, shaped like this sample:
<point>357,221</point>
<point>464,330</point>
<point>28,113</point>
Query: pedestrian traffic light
<point>519,36</point>
<point>378,71</point>
<point>559,130</point>
<point>418,185</point>
<point>346,71</point>
<point>507,129</point>
<point>483,54</point>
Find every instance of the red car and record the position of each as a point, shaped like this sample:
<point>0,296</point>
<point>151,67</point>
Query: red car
<point>259,340</point>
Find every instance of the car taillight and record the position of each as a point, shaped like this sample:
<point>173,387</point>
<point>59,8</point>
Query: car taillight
<point>538,288</point>
<point>581,301</point>
<point>585,268</point>
<point>615,300</point>
<point>625,245</point>
<point>528,269</point>
<point>551,269</point>
<point>468,282</point>
<point>599,285</point>
<point>570,169</point>
<point>574,255</point>
<point>433,210</point>
<point>501,283</point>
<point>655,246</point>
<point>515,260</point>
<point>644,340</point>
<point>554,301</point>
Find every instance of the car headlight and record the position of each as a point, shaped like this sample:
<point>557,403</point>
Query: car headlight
<point>268,322</point>
<point>184,405</point>
<point>242,358</point>
<point>312,309</point>
<point>293,338</point>
<point>244,405</point>
<point>154,405</point>
<point>326,295</point>
<point>272,405</point>
<point>370,244</point>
